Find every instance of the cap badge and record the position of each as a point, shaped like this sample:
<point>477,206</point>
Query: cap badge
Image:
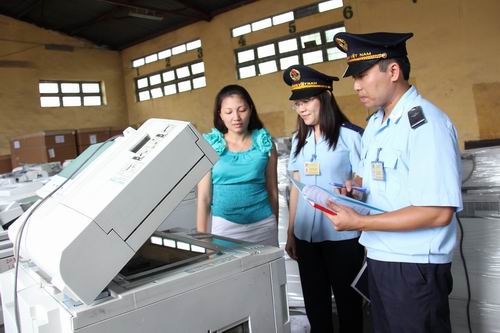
<point>342,44</point>
<point>294,75</point>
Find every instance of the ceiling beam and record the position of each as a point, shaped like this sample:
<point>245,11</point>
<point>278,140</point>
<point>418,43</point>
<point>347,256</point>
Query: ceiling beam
<point>196,9</point>
<point>106,16</point>
<point>157,11</point>
<point>28,9</point>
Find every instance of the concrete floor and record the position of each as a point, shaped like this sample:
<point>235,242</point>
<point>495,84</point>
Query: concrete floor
<point>300,324</point>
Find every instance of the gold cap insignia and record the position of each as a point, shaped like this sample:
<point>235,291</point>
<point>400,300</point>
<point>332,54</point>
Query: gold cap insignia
<point>342,44</point>
<point>294,75</point>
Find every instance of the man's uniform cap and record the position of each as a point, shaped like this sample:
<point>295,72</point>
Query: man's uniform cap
<point>365,50</point>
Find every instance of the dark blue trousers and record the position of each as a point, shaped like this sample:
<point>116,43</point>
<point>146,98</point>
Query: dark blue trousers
<point>409,297</point>
<point>331,266</point>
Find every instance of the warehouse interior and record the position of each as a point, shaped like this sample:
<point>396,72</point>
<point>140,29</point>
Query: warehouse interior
<point>75,73</point>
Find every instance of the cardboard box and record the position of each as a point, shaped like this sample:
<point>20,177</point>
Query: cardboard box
<point>89,136</point>
<point>43,147</point>
<point>5,164</point>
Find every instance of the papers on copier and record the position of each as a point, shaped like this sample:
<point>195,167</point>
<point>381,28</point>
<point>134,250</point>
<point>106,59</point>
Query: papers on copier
<point>318,197</point>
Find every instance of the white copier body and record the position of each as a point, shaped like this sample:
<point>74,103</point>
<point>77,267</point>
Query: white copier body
<point>79,241</point>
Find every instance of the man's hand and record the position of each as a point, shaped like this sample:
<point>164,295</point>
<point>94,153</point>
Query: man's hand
<point>346,218</point>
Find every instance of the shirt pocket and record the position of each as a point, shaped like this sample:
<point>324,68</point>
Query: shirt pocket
<point>390,157</point>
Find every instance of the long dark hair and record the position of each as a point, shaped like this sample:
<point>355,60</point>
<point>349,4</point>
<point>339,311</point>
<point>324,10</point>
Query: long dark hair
<point>330,120</point>
<point>234,89</point>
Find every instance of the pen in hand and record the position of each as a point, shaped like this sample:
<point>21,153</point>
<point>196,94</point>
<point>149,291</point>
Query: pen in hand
<point>357,188</point>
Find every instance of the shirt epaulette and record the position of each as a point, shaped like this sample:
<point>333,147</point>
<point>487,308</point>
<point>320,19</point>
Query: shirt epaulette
<point>416,117</point>
<point>353,127</point>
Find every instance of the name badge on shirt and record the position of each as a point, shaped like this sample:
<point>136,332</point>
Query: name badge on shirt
<point>378,170</point>
<point>311,168</point>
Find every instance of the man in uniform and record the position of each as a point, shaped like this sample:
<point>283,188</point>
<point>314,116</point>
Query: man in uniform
<point>410,165</point>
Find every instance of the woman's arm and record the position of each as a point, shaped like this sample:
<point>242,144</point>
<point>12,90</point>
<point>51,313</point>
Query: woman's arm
<point>272,181</point>
<point>292,209</point>
<point>204,201</point>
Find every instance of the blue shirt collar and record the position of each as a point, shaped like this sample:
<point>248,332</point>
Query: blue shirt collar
<point>401,106</point>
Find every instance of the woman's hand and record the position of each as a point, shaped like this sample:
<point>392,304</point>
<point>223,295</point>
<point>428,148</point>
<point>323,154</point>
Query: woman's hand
<point>290,247</point>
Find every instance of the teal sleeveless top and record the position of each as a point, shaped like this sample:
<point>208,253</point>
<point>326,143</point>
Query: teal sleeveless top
<point>239,191</point>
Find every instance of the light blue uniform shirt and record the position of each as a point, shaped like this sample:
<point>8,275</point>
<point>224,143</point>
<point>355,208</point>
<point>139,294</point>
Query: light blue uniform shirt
<point>335,166</point>
<point>422,168</point>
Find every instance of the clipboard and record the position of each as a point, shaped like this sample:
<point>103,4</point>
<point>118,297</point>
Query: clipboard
<point>321,208</point>
<point>318,197</point>
<point>360,283</point>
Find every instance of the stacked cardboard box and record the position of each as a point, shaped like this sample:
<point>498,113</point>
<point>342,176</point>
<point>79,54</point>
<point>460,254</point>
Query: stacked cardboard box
<point>89,136</point>
<point>5,164</point>
<point>43,147</point>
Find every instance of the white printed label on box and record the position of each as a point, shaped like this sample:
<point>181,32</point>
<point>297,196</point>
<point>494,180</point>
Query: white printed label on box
<point>51,152</point>
<point>93,139</point>
<point>17,144</point>
<point>59,138</point>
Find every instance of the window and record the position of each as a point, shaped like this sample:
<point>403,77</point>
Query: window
<point>167,53</point>
<point>174,80</point>
<point>70,93</point>
<point>268,22</point>
<point>308,47</point>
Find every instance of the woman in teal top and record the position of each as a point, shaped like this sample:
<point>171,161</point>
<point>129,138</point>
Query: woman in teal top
<point>240,194</point>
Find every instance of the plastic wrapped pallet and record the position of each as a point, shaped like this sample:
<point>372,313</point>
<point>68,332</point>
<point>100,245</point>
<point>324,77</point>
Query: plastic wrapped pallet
<point>481,169</point>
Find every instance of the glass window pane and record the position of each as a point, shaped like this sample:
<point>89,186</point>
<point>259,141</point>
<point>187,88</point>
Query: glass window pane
<point>182,72</point>
<point>47,102</point>
<point>197,68</point>
<point>310,40</point>
<point>262,24</point>
<point>164,54</point>
<point>91,87</point>
<point>289,61</point>
<point>151,58</point>
<point>179,49</point>
<point>155,79</point>
<point>312,57</point>
<point>334,54</point>
<point>265,51</point>
<point>268,67</point>
<point>170,89</point>
<point>329,5</point>
<point>247,71</point>
<point>92,100</point>
<point>332,32</point>
<point>168,76</point>
<point>184,85</point>
<point>247,55</point>
<point>138,62</point>
<point>244,29</point>
<point>199,82</point>
<point>70,88</point>
<point>156,92</point>
<point>193,45</point>
<point>144,95</point>
<point>141,83</point>
<point>72,101</point>
<point>288,45</point>
<point>48,88</point>
<point>282,18</point>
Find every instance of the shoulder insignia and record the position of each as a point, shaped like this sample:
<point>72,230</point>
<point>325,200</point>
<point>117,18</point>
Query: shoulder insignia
<point>416,117</point>
<point>353,127</point>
